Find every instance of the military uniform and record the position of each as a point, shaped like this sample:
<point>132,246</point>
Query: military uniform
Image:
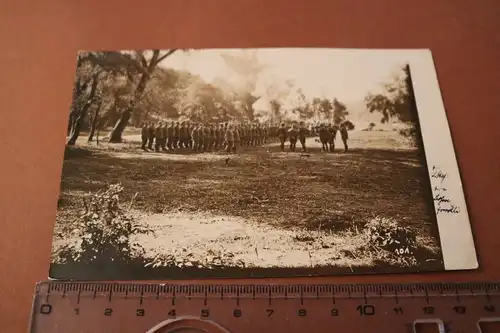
<point>158,137</point>
<point>175,136</point>
<point>211,134</point>
<point>323,137</point>
<point>229,137</point>
<point>144,136</point>
<point>164,133</point>
<point>332,131</point>
<point>281,133</point>
<point>201,138</point>
<point>237,138</point>
<point>217,136</point>
<point>151,136</point>
<point>344,135</point>
<point>254,135</point>
<point>189,139</point>
<point>224,130</point>
<point>302,136</point>
<point>194,137</point>
<point>293,135</point>
<point>170,133</point>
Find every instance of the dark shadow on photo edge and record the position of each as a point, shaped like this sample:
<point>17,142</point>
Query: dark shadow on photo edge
<point>85,272</point>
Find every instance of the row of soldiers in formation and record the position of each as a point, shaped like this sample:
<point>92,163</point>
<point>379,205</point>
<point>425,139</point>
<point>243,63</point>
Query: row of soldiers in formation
<point>208,137</point>
<point>204,137</point>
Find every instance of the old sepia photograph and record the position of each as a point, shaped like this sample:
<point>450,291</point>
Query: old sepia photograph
<point>272,162</point>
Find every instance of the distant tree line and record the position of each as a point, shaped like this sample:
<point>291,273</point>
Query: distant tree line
<point>397,102</point>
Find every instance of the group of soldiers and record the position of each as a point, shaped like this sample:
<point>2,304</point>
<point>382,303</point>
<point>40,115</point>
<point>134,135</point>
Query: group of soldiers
<point>171,136</point>
<point>204,137</point>
<point>327,134</point>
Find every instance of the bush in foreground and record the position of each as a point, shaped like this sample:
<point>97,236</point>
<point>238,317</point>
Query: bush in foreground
<point>104,233</point>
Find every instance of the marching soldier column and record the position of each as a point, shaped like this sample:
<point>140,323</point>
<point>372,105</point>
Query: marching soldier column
<point>201,138</point>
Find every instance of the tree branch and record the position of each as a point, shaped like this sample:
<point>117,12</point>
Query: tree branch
<point>169,53</point>
<point>104,62</point>
<point>141,58</point>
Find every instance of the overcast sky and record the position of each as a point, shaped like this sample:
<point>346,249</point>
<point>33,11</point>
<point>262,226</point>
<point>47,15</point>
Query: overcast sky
<point>343,73</point>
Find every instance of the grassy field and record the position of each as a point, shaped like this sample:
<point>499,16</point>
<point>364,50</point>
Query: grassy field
<point>264,207</point>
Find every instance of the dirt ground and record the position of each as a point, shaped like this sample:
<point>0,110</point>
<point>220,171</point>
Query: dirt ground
<point>265,207</point>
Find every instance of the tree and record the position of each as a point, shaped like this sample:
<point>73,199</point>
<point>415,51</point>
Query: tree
<point>325,108</point>
<point>140,62</point>
<point>95,120</point>
<point>276,114</point>
<point>316,107</point>
<point>339,112</point>
<point>248,69</point>
<point>397,101</point>
<point>302,106</point>
<point>81,104</point>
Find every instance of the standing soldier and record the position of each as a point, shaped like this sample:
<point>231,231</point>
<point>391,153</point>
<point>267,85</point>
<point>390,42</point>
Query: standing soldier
<point>175,135</point>
<point>170,129</point>
<point>194,137</point>
<point>208,137</point>
<point>243,135</point>
<point>248,135</point>
<point>293,134</point>
<point>144,136</point>
<point>344,136</point>
<point>229,137</point>
<point>205,133</point>
<point>323,137</point>
<point>201,137</point>
<point>151,135</point>
<point>182,135</point>
<point>164,137</point>
<point>302,135</point>
<point>189,139</point>
<point>213,136</point>
<point>237,138</point>
<point>266,133</point>
<point>217,136</point>
<point>225,128</point>
<point>332,131</point>
<point>282,136</point>
<point>158,136</point>
<point>222,134</point>
<point>254,135</point>
<point>259,135</point>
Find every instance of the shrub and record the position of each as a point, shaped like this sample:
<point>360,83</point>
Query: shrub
<point>104,233</point>
<point>388,235</point>
<point>212,259</point>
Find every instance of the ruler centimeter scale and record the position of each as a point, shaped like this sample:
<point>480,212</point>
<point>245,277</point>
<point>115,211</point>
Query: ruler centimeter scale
<point>72,307</point>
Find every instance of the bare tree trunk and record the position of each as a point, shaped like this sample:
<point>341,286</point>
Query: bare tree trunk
<point>116,134</point>
<point>79,119</point>
<point>70,123</point>
<point>95,120</point>
<point>77,125</point>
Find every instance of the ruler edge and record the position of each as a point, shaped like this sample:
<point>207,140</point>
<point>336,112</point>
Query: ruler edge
<point>349,287</point>
<point>40,284</point>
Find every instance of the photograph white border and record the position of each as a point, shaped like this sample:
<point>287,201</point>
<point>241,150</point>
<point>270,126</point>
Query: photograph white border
<point>457,242</point>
